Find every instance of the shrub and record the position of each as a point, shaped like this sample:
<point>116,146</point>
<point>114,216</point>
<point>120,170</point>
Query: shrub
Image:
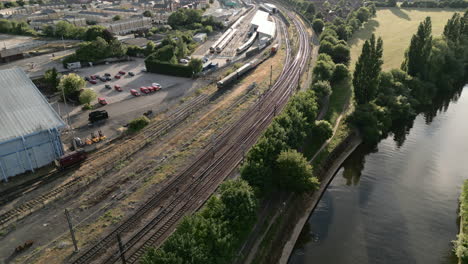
<point>137,124</point>
<point>87,96</point>
<point>341,72</point>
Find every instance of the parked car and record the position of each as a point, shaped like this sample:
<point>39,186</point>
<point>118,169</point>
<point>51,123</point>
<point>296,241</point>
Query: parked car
<point>145,90</point>
<point>156,86</point>
<point>151,88</point>
<point>107,86</point>
<point>103,79</point>
<point>117,76</point>
<point>117,88</point>
<point>108,78</point>
<point>86,78</point>
<point>122,72</point>
<point>107,74</point>
<point>183,61</point>
<point>134,92</point>
<point>131,73</point>
<point>93,77</point>
<point>93,81</point>
<point>102,101</point>
<point>97,116</point>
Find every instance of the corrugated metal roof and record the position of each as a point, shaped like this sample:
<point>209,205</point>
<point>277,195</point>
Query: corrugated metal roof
<point>23,109</point>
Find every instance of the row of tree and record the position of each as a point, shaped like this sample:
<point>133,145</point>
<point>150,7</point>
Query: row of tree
<point>267,163</point>
<point>10,4</point>
<point>69,31</point>
<point>16,28</point>
<point>436,4</point>
<point>192,19</point>
<point>432,67</point>
<point>213,234</point>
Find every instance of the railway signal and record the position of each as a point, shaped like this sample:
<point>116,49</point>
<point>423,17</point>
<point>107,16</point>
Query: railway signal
<point>72,233</point>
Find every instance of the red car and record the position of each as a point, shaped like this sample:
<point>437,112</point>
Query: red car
<point>118,88</point>
<point>156,88</point>
<point>145,90</point>
<point>134,92</point>
<point>151,89</point>
<point>93,77</point>
<point>117,76</point>
<point>93,81</point>
<point>122,72</point>
<point>102,101</point>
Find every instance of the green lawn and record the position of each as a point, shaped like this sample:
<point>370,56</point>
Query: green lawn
<point>396,26</point>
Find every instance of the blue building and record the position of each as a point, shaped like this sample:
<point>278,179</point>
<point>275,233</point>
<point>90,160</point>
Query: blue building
<point>29,126</point>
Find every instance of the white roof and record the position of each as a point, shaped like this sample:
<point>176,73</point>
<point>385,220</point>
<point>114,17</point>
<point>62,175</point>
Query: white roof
<point>23,109</point>
<point>267,28</point>
<point>259,18</point>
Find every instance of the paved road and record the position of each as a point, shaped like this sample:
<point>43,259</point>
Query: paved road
<point>36,66</point>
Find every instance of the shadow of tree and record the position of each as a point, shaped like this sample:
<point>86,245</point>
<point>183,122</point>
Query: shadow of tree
<point>399,13</point>
<point>365,33</point>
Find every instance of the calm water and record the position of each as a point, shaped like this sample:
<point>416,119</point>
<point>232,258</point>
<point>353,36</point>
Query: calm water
<point>394,204</point>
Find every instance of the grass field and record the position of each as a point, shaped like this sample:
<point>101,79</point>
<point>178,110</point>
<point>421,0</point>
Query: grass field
<point>396,26</point>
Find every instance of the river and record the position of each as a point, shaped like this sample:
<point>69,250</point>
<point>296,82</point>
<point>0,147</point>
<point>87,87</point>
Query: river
<point>397,202</point>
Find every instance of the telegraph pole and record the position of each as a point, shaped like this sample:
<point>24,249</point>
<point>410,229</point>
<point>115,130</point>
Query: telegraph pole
<point>121,249</point>
<point>72,233</point>
<point>271,74</point>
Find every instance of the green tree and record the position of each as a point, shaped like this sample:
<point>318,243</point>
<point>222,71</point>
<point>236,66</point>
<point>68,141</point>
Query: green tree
<point>117,49</point>
<point>93,32</point>
<point>196,65</point>
<point>363,14</point>
<point>322,130</point>
<point>147,13</point>
<point>87,96</point>
<point>324,68</point>
<point>367,71</point>
<point>416,57</point>
<point>341,73</point>
<point>150,48</point>
<point>138,124</point>
<point>322,88</point>
<point>294,173</point>
<point>71,84</point>
<point>181,49</point>
<point>341,54</point>
<point>166,53</point>
<point>52,78</point>
<point>93,50</point>
<point>240,204</point>
<point>317,25</point>
<point>116,18</point>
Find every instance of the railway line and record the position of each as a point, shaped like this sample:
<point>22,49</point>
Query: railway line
<point>186,192</point>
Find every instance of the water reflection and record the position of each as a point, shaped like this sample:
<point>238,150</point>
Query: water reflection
<point>395,202</point>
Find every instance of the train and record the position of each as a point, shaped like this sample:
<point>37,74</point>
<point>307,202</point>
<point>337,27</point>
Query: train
<point>71,159</point>
<point>237,74</point>
<point>247,44</point>
<point>225,41</point>
<point>225,34</point>
<point>268,8</point>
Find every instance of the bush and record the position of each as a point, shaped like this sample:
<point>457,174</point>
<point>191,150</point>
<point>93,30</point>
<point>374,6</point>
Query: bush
<point>71,84</point>
<point>138,124</point>
<point>317,25</point>
<point>87,96</point>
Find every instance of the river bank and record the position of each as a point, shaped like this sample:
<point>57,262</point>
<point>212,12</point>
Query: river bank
<point>396,202</point>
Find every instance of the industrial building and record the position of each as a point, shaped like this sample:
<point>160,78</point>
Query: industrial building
<point>262,25</point>
<point>130,25</point>
<point>29,131</point>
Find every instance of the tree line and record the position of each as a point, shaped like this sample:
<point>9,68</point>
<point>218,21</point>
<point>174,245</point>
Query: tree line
<point>432,66</point>
<point>213,234</point>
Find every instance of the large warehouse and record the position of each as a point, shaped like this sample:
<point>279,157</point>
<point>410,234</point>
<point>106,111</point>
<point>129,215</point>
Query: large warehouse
<point>262,25</point>
<point>29,136</point>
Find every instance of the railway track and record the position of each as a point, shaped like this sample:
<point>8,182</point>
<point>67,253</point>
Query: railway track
<point>186,193</point>
<point>153,132</point>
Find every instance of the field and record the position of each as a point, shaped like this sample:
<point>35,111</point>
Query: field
<point>396,26</point>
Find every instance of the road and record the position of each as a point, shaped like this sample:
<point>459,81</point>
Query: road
<point>36,66</point>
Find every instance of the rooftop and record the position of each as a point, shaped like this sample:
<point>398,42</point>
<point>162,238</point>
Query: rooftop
<point>23,109</point>
<point>267,28</point>
<point>259,18</point>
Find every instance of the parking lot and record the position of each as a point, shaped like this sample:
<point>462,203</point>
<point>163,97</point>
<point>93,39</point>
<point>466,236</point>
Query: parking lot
<point>122,106</point>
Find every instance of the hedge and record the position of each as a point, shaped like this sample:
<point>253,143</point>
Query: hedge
<point>156,66</point>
